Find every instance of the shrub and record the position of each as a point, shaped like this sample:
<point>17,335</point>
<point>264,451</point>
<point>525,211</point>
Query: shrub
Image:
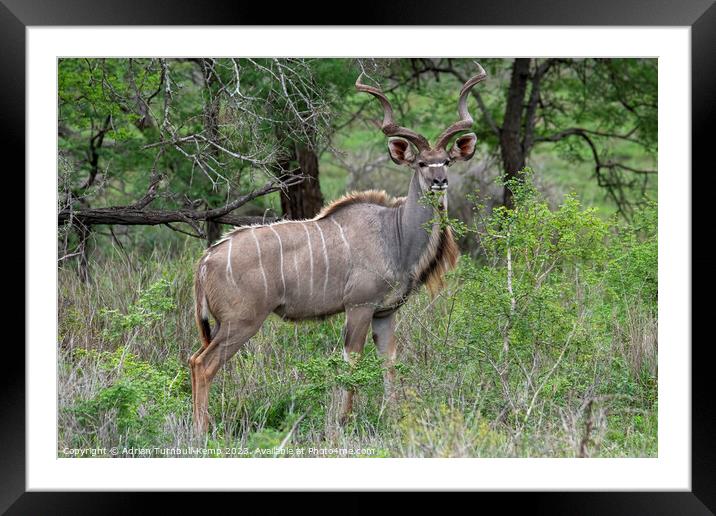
<point>151,307</point>
<point>322,376</point>
<point>138,399</point>
<point>540,317</point>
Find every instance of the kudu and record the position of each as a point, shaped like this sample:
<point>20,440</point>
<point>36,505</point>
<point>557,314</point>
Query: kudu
<point>362,255</point>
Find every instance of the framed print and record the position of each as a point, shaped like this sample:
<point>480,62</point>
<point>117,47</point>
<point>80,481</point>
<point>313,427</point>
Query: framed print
<point>456,260</point>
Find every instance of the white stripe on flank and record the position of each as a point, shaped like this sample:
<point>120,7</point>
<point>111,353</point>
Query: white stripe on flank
<point>229,272</point>
<point>280,255</point>
<point>295,266</point>
<point>310,253</point>
<point>325,259</point>
<point>263,272</point>
<point>343,236</point>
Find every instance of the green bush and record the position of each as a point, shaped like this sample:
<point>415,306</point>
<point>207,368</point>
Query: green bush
<point>539,314</point>
<point>321,376</point>
<point>151,307</point>
<point>633,268</point>
<point>139,398</point>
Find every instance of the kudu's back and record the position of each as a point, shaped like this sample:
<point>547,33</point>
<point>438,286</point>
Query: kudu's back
<point>302,269</point>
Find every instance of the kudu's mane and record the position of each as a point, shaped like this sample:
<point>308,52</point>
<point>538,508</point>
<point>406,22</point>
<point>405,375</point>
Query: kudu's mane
<point>379,197</point>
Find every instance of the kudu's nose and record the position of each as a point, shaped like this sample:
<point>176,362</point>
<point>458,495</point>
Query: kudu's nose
<point>440,183</point>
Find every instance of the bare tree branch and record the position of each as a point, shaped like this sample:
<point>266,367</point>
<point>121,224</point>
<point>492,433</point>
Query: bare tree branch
<point>133,215</point>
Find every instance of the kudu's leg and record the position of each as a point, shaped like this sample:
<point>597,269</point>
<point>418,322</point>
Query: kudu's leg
<point>384,338</point>
<point>192,360</point>
<point>229,339</point>
<point>355,331</point>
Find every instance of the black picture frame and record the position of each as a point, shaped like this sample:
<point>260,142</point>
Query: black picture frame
<point>700,15</point>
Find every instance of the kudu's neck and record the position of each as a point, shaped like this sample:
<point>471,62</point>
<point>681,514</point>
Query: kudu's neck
<point>414,218</point>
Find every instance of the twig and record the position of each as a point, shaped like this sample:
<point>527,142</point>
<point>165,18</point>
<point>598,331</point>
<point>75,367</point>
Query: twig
<point>288,436</point>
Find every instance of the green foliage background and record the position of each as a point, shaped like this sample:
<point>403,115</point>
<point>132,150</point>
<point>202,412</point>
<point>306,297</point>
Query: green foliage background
<point>543,344</point>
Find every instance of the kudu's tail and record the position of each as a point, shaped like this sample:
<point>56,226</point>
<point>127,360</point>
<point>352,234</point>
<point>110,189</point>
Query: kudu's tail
<point>201,308</point>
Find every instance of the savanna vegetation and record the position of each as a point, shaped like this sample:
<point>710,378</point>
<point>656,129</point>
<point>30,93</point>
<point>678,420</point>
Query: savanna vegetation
<point>542,344</point>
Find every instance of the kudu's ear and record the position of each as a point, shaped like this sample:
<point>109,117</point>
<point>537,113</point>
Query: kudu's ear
<point>464,147</point>
<point>401,152</point>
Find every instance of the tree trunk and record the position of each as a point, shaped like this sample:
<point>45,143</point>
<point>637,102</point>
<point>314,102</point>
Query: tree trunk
<point>303,200</point>
<point>213,231</point>
<point>511,150</point>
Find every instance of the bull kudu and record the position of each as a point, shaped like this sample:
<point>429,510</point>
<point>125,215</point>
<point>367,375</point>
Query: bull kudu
<point>362,254</point>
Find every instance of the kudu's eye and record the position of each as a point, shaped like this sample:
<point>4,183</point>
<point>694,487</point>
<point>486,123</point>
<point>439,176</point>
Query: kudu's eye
<point>422,164</point>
